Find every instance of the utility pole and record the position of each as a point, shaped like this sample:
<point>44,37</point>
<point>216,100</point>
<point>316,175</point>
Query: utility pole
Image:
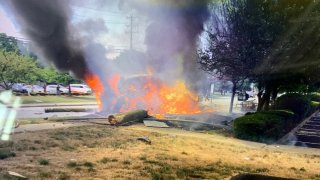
<point>131,31</point>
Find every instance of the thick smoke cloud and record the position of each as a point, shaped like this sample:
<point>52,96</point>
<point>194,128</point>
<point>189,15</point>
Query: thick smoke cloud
<point>93,26</point>
<point>171,38</point>
<point>46,23</point>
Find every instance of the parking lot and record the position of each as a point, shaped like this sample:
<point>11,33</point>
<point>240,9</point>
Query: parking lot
<point>51,89</point>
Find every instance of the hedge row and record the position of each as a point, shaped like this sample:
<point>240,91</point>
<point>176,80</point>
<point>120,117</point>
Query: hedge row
<point>314,97</point>
<point>264,126</point>
<point>301,105</point>
<point>290,110</point>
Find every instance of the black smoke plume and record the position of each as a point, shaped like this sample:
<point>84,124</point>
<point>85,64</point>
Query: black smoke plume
<point>46,23</point>
<point>172,36</point>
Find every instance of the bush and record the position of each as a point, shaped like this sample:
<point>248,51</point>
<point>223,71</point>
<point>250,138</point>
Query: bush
<point>282,113</point>
<point>297,103</point>
<point>6,153</point>
<point>314,97</point>
<point>264,126</point>
<point>268,126</point>
<point>72,164</point>
<point>43,161</point>
<point>64,176</point>
<point>314,106</point>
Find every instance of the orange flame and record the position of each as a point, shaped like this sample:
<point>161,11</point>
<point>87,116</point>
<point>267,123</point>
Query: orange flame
<point>95,83</point>
<point>113,83</point>
<point>160,98</point>
<point>147,93</point>
<point>178,99</point>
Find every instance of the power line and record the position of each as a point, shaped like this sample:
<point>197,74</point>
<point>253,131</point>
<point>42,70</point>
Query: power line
<point>98,11</point>
<point>79,17</point>
<point>97,15</point>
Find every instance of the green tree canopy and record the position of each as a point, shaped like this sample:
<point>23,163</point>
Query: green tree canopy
<point>8,43</point>
<point>50,75</point>
<point>16,68</point>
<point>273,43</point>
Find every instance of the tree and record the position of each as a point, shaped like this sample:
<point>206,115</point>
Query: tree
<point>16,68</point>
<point>257,39</point>
<point>292,63</point>
<point>20,66</point>
<point>239,34</point>
<point>8,43</point>
<point>50,75</point>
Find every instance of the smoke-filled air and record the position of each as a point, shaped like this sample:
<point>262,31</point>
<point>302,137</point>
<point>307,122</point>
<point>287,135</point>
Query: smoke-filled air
<point>162,77</point>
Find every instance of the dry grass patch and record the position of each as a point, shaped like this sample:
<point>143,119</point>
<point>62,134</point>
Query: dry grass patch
<point>101,152</point>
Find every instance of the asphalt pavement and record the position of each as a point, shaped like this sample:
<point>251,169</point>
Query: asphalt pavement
<point>38,110</point>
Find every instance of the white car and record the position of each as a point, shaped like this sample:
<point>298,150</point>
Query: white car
<point>251,93</point>
<point>18,87</point>
<point>52,89</point>
<point>33,89</point>
<point>80,89</point>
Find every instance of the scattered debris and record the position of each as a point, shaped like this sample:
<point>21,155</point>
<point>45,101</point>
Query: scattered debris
<point>155,123</point>
<point>257,177</point>
<point>144,139</point>
<point>11,173</point>
<point>57,110</point>
<point>17,124</point>
<point>112,120</point>
<point>128,118</point>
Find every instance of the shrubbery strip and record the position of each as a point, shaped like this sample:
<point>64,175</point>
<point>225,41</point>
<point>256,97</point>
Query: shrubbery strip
<point>268,126</point>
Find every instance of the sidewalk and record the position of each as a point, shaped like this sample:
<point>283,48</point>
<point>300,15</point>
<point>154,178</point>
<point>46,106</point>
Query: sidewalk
<point>45,126</point>
<point>57,104</point>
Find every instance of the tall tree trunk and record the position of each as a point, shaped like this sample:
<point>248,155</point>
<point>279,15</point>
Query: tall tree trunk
<point>260,99</point>
<point>234,88</point>
<point>274,94</point>
<point>266,97</point>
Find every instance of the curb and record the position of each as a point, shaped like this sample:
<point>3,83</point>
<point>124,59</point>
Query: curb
<point>53,105</point>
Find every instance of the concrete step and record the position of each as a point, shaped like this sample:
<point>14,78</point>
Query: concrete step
<point>306,144</point>
<point>306,126</point>
<point>314,122</point>
<point>308,138</point>
<point>315,119</point>
<point>301,130</point>
<point>308,133</point>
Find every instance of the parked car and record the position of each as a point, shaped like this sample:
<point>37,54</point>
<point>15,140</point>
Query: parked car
<point>33,89</point>
<point>251,93</point>
<point>52,89</point>
<point>18,88</point>
<point>80,89</point>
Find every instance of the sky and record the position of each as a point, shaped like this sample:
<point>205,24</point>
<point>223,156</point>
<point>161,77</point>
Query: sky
<point>117,23</point>
<point>7,26</point>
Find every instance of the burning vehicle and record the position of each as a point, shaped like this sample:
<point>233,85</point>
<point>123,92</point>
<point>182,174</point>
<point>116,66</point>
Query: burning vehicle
<point>152,94</point>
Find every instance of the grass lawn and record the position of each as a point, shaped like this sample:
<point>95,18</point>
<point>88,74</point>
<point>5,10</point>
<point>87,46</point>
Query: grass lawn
<point>104,152</point>
<point>38,121</point>
<point>57,99</point>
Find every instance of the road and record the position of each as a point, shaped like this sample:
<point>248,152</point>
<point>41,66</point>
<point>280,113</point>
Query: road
<point>45,126</point>
<point>38,111</point>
